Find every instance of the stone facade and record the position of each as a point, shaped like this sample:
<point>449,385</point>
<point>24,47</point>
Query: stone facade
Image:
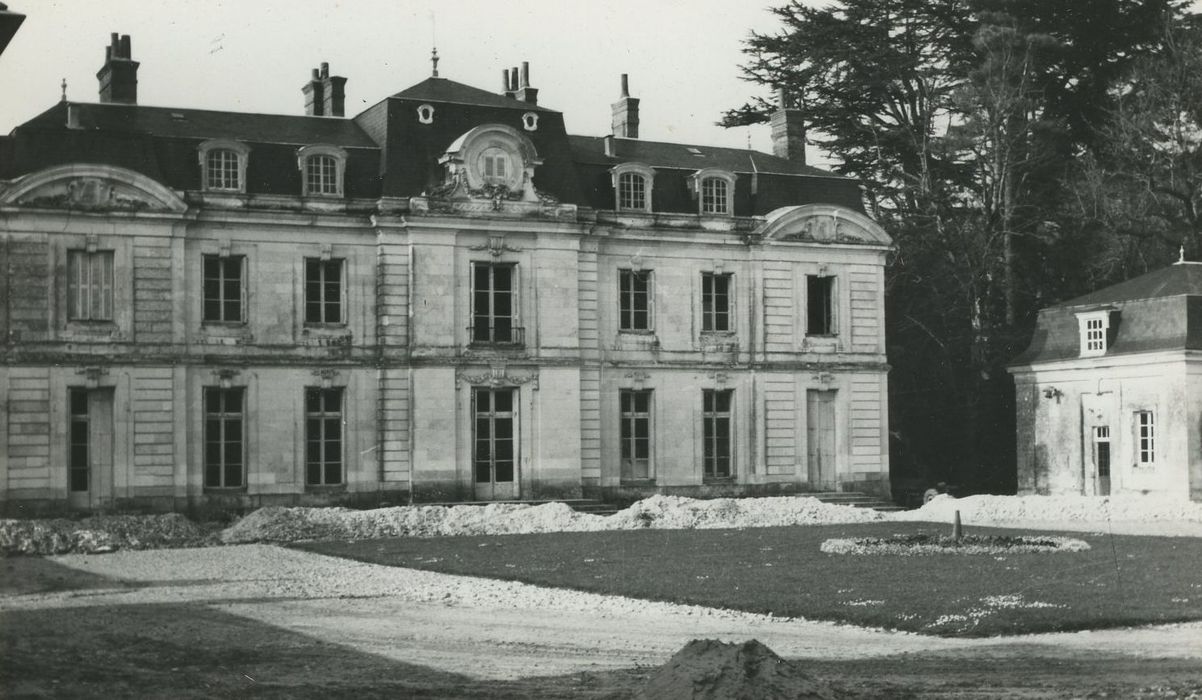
<point>185,331</point>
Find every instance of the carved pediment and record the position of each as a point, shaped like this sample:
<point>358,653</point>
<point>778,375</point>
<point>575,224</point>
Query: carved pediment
<point>87,187</point>
<point>822,223</point>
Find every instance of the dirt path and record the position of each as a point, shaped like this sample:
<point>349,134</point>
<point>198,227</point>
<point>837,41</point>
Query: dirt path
<point>486,629</point>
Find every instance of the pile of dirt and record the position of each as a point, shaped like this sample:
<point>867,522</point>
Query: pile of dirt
<point>1066,509</point>
<point>279,524</point>
<point>707,669</point>
<point>99,533</point>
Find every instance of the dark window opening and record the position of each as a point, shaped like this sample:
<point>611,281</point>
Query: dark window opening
<point>715,302</point>
<point>79,473</point>
<point>494,304</point>
<point>716,432</point>
<point>820,309</point>
<point>224,289</point>
<point>495,453</point>
<point>223,437</point>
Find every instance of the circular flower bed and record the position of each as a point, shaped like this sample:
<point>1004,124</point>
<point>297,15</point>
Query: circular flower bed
<point>907,545</point>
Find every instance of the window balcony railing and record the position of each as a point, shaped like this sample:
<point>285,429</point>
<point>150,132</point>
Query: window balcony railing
<point>506,335</point>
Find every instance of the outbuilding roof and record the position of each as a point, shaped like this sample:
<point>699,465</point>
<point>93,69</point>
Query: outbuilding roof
<point>1182,278</point>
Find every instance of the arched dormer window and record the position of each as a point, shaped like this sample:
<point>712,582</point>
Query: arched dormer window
<point>322,168</point>
<point>223,165</point>
<point>715,190</point>
<point>633,183</point>
<point>492,159</point>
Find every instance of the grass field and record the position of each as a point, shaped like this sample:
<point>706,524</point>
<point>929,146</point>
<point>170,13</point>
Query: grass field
<point>1122,580</point>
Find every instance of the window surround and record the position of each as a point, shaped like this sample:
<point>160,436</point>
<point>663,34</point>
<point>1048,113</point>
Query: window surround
<point>487,328</point>
<point>830,328</point>
<point>305,153</point>
<point>530,121</point>
<point>240,150</point>
<point>1094,330</point>
<point>724,205</point>
<point>425,114</point>
<point>221,317</point>
<point>646,172</point>
<point>627,309</point>
<point>322,264</point>
<point>711,315</point>
<point>1144,423</point>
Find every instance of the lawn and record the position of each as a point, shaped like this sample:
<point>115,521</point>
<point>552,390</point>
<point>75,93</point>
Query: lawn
<point>1120,581</point>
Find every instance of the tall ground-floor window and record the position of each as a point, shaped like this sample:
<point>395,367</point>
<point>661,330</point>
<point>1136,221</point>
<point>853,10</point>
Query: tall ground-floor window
<point>635,407</point>
<point>716,432</point>
<point>494,454</point>
<point>78,471</point>
<point>224,447</point>
<point>323,436</point>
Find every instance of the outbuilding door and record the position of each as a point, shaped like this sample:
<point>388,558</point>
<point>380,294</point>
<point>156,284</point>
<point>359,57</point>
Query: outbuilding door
<point>494,443</point>
<point>90,446</point>
<point>1101,459</point>
<point>820,438</point>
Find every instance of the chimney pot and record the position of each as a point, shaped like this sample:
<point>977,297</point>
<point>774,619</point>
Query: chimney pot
<point>525,77</point>
<point>505,83</point>
<point>126,51</point>
<point>325,69</point>
<point>625,85</point>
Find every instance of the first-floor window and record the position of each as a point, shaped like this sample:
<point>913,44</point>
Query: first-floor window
<point>90,285</point>
<point>820,305</point>
<point>636,433</point>
<point>323,436</point>
<point>78,466</point>
<point>634,300</point>
<point>493,303</point>
<point>223,437</point>
<point>323,291</point>
<point>1145,426</point>
<point>715,302</point>
<point>223,289</point>
<point>716,433</point>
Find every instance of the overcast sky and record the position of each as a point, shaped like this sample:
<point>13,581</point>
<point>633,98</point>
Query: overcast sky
<point>254,55</point>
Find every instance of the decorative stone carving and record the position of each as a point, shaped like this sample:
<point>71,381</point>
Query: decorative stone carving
<point>496,376</point>
<point>100,188</point>
<point>92,375</point>
<point>822,223</point>
<point>496,246</point>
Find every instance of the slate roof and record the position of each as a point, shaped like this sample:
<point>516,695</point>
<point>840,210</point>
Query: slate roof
<point>1174,280</point>
<point>173,122</point>
<point>591,149</point>
<point>449,91</point>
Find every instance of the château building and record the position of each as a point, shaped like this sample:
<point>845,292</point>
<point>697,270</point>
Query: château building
<point>443,297</point>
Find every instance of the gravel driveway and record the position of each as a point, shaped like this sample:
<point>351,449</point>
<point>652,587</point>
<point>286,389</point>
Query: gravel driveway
<point>502,630</point>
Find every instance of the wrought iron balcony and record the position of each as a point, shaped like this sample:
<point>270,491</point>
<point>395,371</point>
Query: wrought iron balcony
<point>505,336</point>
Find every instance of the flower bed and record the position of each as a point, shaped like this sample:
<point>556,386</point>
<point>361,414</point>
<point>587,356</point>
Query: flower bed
<point>923,544</point>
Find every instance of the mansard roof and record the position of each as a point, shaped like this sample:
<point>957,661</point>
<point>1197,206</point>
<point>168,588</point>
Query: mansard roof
<point>1183,278</point>
<point>392,152</point>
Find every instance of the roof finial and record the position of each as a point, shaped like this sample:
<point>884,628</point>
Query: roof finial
<point>434,61</point>
<point>1181,254</point>
<point>433,44</point>
<point>64,86</point>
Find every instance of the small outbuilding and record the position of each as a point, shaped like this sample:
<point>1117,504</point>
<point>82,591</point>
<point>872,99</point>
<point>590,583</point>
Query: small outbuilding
<point>1109,393</point>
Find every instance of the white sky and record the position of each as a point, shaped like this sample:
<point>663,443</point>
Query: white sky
<point>254,55</point>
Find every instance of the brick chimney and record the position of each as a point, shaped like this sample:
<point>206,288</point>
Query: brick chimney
<point>626,113</point>
<point>788,129</point>
<point>325,94</point>
<point>524,92</point>
<point>119,75</point>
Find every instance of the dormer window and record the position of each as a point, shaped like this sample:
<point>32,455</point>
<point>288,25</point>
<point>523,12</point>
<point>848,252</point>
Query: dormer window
<point>1094,328</point>
<point>496,166</point>
<point>715,191</point>
<point>322,168</point>
<point>223,165</point>
<point>530,121</point>
<point>632,185</point>
<point>425,114</point>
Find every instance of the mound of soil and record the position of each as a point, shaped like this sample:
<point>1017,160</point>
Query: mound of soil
<point>99,533</point>
<point>707,669</point>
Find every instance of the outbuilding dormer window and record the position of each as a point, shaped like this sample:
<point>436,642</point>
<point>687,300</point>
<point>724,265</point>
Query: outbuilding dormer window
<point>322,168</point>
<point>1094,328</point>
<point>715,191</point>
<point>223,165</point>
<point>632,185</point>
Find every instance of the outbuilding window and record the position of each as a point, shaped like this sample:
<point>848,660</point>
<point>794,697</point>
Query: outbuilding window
<point>1145,438</point>
<point>1094,327</point>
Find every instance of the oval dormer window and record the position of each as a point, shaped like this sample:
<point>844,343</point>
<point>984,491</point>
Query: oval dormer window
<point>425,114</point>
<point>529,121</point>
